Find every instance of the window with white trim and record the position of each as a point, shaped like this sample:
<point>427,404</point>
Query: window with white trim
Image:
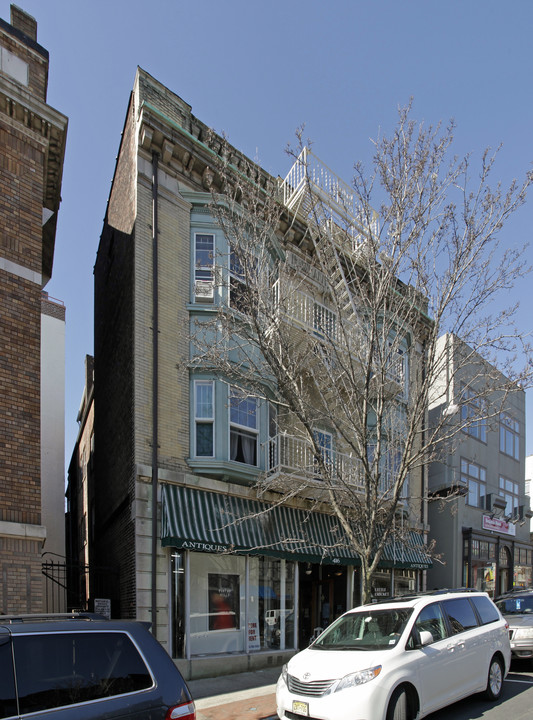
<point>510,491</point>
<point>204,262</point>
<point>509,436</point>
<point>204,418</point>
<point>243,427</point>
<point>474,476</point>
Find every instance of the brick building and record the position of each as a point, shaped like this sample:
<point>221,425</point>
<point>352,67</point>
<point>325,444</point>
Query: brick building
<point>177,449</point>
<point>32,145</point>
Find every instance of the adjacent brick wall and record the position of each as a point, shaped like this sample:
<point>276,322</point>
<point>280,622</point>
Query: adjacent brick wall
<point>23,152</point>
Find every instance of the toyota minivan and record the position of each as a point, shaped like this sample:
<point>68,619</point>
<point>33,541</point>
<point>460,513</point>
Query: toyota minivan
<point>399,660</point>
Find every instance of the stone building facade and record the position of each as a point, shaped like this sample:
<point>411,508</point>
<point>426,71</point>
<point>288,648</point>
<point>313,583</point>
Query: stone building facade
<point>32,145</point>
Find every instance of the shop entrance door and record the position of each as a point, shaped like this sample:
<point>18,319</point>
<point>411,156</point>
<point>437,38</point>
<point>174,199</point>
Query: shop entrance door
<point>322,596</point>
<point>504,570</point>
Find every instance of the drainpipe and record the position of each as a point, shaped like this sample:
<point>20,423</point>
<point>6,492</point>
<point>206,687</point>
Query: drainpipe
<point>155,382</point>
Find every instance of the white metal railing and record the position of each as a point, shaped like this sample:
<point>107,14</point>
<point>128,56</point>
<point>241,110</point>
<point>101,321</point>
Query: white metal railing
<point>301,309</point>
<point>288,454</point>
<point>309,181</point>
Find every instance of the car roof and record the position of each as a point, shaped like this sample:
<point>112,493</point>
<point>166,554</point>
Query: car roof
<point>422,598</point>
<point>515,593</point>
<point>63,622</point>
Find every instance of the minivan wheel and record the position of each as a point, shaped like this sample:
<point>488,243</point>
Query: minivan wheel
<point>495,679</point>
<point>398,706</point>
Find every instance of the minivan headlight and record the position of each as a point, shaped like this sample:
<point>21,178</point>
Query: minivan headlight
<point>285,674</point>
<point>357,678</point>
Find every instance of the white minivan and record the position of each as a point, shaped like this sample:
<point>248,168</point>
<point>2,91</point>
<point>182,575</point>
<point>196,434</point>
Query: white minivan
<point>399,660</point>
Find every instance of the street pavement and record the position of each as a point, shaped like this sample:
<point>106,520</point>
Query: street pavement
<point>244,696</point>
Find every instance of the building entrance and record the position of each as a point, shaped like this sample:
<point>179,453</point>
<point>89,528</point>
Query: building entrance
<point>322,598</point>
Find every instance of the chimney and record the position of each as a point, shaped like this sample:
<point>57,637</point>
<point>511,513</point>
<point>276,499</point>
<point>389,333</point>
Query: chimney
<point>24,22</point>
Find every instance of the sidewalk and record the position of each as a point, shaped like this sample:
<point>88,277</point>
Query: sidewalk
<point>244,696</point>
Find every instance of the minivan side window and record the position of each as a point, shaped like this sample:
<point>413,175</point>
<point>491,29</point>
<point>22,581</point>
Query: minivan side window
<point>8,701</point>
<point>432,620</point>
<point>460,614</point>
<point>486,609</point>
<point>54,670</point>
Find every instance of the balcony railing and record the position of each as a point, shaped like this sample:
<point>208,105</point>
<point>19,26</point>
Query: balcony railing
<point>290,455</point>
<point>310,185</point>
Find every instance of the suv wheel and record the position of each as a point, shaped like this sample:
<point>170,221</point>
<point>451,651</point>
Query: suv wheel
<point>495,679</point>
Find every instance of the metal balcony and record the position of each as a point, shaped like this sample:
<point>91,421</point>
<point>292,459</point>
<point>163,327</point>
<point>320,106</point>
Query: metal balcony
<point>312,190</point>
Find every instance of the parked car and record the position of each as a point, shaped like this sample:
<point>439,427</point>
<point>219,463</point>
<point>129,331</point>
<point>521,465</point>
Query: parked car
<point>399,660</point>
<point>517,608</point>
<point>83,667</point>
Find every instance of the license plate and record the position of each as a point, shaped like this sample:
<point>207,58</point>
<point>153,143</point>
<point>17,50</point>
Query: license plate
<point>300,708</point>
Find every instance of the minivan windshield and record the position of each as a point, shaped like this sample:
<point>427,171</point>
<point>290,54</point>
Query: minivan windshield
<point>515,605</point>
<point>370,629</point>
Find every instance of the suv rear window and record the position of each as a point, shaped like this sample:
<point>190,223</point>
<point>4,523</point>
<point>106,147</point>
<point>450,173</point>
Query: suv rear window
<point>59,669</point>
<point>516,604</point>
<point>8,701</point>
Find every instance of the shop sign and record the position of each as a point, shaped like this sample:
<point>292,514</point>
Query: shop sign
<point>254,642</point>
<point>204,546</point>
<point>102,606</point>
<point>498,525</point>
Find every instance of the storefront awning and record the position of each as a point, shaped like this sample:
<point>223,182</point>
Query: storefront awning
<point>211,522</point>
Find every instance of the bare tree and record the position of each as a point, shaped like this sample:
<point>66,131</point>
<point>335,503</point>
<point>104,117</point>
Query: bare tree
<point>333,314</point>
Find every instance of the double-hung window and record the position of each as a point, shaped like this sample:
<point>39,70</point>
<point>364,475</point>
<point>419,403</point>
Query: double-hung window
<point>204,417</point>
<point>243,427</point>
<point>204,254</point>
<point>509,436</point>
<point>474,476</point>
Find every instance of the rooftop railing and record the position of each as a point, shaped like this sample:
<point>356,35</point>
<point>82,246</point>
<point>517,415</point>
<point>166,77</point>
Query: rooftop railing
<point>316,192</point>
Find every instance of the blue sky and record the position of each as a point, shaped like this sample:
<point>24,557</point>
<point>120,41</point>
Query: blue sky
<point>257,71</point>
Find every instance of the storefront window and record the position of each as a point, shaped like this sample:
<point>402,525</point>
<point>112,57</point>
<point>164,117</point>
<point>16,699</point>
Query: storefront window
<point>217,618</point>
<point>381,585</point>
<point>479,573</point>
<point>270,605</point>
<point>290,614</point>
<point>404,582</point>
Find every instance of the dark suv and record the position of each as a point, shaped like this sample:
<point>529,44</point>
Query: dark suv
<point>84,667</point>
<point>517,608</point>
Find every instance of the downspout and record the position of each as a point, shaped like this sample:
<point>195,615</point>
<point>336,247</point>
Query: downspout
<point>155,383</point>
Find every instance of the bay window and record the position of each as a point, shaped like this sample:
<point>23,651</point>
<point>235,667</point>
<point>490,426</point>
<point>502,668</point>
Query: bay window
<point>243,427</point>
<point>204,417</point>
<point>204,254</point>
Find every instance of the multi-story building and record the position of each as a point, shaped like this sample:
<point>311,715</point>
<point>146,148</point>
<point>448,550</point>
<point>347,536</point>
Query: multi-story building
<point>177,449</point>
<point>32,145</point>
<point>479,514</point>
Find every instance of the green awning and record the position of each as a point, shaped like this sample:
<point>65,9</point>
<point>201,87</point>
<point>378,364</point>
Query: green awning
<point>211,522</point>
